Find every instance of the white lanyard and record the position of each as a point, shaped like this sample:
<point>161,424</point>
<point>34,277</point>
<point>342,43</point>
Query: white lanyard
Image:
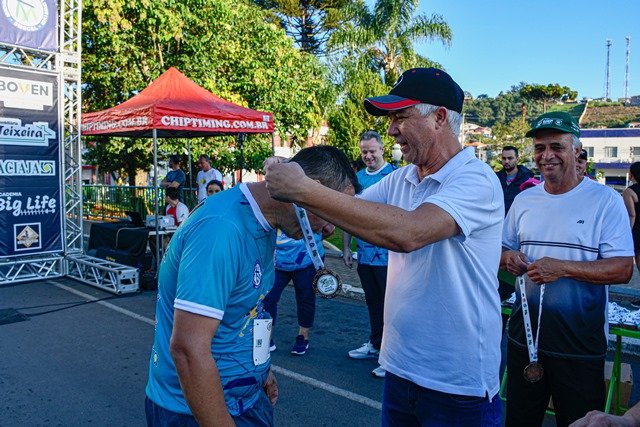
<point>532,344</point>
<point>309,240</point>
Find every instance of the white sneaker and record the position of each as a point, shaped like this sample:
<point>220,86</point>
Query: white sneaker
<point>365,352</point>
<point>379,372</point>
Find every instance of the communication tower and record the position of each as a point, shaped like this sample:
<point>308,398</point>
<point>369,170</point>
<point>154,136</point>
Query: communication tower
<point>626,69</point>
<point>607,73</point>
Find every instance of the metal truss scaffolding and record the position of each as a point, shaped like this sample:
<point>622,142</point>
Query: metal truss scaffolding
<point>66,63</point>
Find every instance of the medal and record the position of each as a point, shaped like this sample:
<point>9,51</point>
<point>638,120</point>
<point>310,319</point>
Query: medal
<point>534,371</point>
<point>326,283</point>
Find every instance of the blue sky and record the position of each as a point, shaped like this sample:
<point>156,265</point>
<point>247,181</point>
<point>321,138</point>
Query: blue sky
<point>499,43</point>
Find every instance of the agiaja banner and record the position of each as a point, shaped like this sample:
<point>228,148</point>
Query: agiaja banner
<point>30,181</point>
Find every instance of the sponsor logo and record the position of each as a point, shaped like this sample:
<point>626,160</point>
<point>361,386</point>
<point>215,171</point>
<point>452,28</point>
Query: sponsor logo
<point>27,167</point>
<point>17,205</point>
<point>115,124</point>
<point>27,236</point>
<point>25,94</point>
<point>257,275</point>
<point>194,122</point>
<point>398,81</point>
<point>27,15</point>
<point>13,132</point>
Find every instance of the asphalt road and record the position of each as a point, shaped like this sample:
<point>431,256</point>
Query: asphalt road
<point>74,363</point>
<point>80,362</point>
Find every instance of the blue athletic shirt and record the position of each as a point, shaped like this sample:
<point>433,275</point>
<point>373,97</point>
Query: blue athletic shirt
<point>219,264</point>
<point>367,253</point>
<point>292,254</point>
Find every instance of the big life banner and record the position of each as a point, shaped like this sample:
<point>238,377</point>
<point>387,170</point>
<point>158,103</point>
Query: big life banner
<point>30,182</point>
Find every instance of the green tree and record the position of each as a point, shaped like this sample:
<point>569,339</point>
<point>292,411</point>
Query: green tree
<point>546,94</point>
<point>308,22</point>
<point>385,37</point>
<point>348,119</point>
<point>512,133</point>
<point>225,46</point>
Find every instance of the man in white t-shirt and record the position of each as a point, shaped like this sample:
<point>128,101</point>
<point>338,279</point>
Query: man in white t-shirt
<point>572,235</point>
<point>206,174</point>
<point>441,219</point>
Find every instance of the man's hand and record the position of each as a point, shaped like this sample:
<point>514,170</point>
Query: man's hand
<point>347,257</point>
<point>286,181</point>
<point>545,270</point>
<point>273,160</point>
<point>600,419</point>
<point>515,262</point>
<point>270,387</point>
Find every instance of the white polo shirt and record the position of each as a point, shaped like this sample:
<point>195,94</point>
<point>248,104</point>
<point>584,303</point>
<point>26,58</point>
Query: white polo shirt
<point>442,322</point>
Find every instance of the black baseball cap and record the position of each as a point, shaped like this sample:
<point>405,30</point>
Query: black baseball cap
<point>416,86</point>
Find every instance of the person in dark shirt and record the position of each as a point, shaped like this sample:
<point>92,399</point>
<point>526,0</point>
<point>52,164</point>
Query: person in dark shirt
<point>511,176</point>
<point>632,203</point>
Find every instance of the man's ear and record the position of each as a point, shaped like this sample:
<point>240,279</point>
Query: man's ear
<point>441,116</point>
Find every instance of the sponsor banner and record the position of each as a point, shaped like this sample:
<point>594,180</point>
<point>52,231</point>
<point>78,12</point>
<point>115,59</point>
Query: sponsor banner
<point>30,182</point>
<point>29,23</point>
<point>195,122</point>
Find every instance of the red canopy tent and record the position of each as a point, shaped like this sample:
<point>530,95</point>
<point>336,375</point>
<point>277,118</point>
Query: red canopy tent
<point>173,106</point>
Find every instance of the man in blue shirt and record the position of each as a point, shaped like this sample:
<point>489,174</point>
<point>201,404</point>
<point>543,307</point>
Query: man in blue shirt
<point>175,177</point>
<point>210,358</point>
<point>372,260</point>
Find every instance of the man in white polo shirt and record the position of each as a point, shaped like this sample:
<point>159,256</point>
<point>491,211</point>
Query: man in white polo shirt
<point>441,219</point>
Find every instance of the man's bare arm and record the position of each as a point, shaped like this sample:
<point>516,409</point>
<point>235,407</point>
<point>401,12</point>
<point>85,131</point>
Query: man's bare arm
<point>601,271</point>
<point>199,378</point>
<point>382,225</point>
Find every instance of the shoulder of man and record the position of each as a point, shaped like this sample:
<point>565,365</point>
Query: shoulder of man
<point>525,171</point>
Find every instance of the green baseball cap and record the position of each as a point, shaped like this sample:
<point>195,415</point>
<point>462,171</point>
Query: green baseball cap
<point>557,120</point>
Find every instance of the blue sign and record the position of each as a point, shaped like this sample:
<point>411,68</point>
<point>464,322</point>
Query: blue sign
<point>29,23</point>
<point>30,175</point>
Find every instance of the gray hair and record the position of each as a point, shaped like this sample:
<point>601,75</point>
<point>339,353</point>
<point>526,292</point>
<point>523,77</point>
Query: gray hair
<point>454,119</point>
<point>575,141</point>
<point>371,134</point>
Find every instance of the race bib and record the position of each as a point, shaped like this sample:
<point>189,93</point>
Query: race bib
<point>261,339</point>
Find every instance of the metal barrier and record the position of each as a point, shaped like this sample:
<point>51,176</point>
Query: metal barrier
<point>109,202</point>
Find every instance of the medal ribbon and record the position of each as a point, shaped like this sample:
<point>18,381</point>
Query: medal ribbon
<point>532,344</point>
<point>309,240</point>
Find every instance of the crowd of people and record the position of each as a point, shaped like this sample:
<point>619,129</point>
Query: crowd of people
<point>431,237</point>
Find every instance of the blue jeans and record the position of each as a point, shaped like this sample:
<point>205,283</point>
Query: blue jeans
<point>407,404</point>
<point>305,297</point>
<point>259,415</point>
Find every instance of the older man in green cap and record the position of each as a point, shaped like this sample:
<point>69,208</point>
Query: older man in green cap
<point>566,239</point>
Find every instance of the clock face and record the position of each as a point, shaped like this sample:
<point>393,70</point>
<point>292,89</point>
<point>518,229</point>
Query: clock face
<point>27,15</point>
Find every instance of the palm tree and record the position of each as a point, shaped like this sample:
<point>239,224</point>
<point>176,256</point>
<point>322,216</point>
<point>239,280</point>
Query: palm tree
<point>384,38</point>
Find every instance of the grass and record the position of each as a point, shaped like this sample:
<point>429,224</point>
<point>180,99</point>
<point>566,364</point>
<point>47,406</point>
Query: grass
<point>336,240</point>
<point>574,109</point>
